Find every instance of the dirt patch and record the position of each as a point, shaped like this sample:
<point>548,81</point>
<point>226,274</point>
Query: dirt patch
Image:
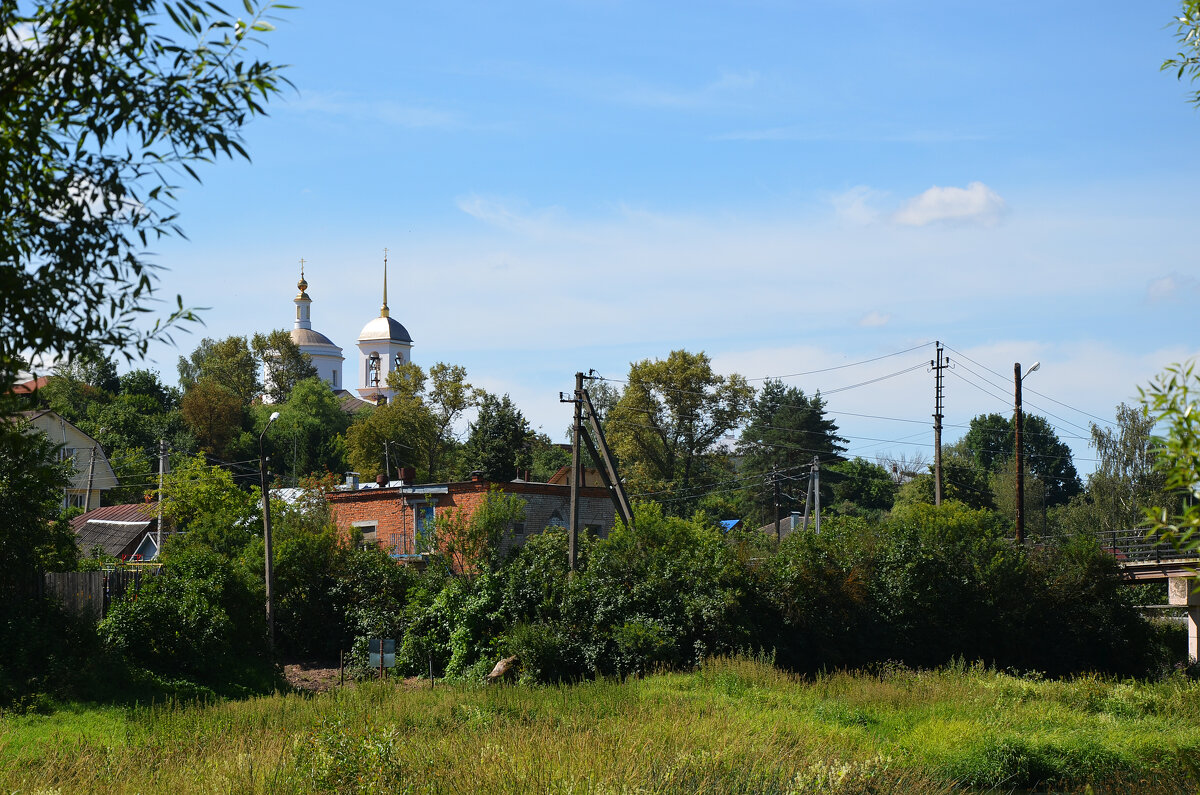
<point>314,676</point>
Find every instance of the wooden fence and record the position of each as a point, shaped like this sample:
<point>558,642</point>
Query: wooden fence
<point>92,593</point>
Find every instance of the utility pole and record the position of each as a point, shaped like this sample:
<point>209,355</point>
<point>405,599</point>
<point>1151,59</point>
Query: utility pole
<point>938,366</point>
<point>816,478</point>
<point>87,496</point>
<point>576,475</point>
<point>1020,457</point>
<point>162,468</point>
<point>775,483</point>
<point>268,557</point>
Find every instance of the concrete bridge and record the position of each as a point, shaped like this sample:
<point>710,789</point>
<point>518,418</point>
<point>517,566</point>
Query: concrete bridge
<point>1142,560</point>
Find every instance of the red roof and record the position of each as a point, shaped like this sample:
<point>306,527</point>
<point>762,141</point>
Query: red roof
<point>132,512</point>
<point>29,387</point>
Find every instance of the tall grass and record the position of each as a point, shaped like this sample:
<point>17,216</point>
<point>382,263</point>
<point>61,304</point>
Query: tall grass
<point>734,725</point>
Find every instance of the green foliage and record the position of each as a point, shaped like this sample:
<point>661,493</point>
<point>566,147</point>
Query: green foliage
<point>785,431</point>
<point>307,439</point>
<point>1127,480</point>
<point>668,424</point>
<point>101,105</point>
<point>499,442</point>
<point>32,537</point>
<point>283,363</point>
<point>1186,62</point>
<point>404,424</point>
<point>1171,402</point>
<point>199,619</point>
<point>473,543</point>
<point>228,362</point>
<point>991,441</point>
<point>857,485</point>
<point>214,415</point>
<point>204,502</point>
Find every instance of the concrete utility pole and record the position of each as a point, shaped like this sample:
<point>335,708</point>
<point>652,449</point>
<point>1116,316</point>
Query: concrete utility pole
<point>775,483</point>
<point>162,467</point>
<point>268,562</point>
<point>576,475</point>
<point>816,470</point>
<point>1017,379</point>
<point>938,366</point>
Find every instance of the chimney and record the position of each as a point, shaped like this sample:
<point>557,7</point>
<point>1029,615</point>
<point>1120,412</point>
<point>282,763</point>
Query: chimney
<point>352,481</point>
<point>381,480</point>
<point>477,476</point>
<point>408,475</point>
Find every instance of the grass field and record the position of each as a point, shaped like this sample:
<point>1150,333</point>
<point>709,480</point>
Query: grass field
<point>735,726</point>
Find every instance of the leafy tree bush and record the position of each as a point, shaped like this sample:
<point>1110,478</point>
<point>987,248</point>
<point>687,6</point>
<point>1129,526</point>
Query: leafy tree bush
<point>200,619</point>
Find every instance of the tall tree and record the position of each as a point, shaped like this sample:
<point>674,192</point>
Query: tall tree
<point>499,441</point>
<point>991,443</point>
<point>101,104</point>
<point>1127,480</point>
<point>449,396</point>
<point>786,430</point>
<point>228,362</point>
<point>668,425</point>
<point>307,439</point>
<point>283,364</point>
<point>214,415</point>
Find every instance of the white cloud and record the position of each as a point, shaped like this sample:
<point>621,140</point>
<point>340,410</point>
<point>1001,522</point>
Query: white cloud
<point>977,203</point>
<point>874,320</point>
<point>388,112</point>
<point>1172,287</point>
<point>722,91</point>
<point>856,205</point>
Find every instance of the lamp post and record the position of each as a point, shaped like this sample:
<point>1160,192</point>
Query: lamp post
<point>266,500</point>
<point>1017,379</point>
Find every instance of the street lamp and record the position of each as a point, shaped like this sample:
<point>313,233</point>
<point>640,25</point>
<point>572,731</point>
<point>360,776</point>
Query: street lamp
<point>1017,379</point>
<point>266,500</point>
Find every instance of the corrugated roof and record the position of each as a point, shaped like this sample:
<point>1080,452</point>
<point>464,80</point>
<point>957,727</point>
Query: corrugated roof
<point>113,528</point>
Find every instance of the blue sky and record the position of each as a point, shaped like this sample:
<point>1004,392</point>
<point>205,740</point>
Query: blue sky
<point>786,186</point>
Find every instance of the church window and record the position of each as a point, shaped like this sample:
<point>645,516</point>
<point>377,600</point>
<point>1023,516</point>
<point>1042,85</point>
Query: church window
<point>399,360</point>
<point>373,369</point>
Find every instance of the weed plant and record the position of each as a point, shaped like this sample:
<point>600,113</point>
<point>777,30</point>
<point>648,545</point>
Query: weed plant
<point>734,725</point>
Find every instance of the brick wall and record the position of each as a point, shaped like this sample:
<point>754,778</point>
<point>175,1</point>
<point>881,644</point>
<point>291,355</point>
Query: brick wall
<point>393,512</point>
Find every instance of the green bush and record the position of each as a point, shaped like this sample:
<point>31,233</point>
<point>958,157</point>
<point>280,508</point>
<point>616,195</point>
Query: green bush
<point>199,620</point>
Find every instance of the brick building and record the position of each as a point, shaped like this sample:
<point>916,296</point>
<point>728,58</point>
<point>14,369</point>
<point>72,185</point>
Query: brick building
<point>400,518</point>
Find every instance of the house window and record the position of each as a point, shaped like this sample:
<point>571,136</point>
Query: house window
<point>556,520</point>
<point>591,530</point>
<point>370,535</point>
<point>423,527</point>
<point>518,529</point>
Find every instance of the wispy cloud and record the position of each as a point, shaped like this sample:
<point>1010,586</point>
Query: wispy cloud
<point>857,205</point>
<point>1172,287</point>
<point>976,203</point>
<point>389,112</point>
<point>874,320</point>
<point>725,89</point>
<point>808,132</point>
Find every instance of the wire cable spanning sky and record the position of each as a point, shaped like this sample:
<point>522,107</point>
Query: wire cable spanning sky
<point>790,188</point>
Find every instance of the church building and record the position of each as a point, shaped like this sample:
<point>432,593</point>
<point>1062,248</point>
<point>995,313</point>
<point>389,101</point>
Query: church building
<point>383,345</point>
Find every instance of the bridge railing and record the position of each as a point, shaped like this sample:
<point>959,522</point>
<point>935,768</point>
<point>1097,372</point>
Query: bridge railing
<point>1133,546</point>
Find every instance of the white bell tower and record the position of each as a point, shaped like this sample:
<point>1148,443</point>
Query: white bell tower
<point>383,345</point>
